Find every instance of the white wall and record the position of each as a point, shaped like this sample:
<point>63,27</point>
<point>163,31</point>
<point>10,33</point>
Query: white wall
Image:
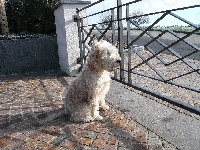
<point>67,34</point>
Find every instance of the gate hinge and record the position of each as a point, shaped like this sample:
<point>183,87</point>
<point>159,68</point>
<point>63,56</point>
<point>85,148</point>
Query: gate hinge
<point>75,18</point>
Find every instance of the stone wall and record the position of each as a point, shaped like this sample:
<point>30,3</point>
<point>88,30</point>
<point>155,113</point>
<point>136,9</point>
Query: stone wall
<point>28,55</point>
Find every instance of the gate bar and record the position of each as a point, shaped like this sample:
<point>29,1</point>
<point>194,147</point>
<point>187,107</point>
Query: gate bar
<point>128,41</point>
<point>120,37</point>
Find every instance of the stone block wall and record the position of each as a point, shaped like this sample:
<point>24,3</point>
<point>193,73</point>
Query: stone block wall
<point>28,55</point>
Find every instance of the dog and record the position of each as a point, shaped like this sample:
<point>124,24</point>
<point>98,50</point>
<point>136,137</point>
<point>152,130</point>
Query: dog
<point>87,92</point>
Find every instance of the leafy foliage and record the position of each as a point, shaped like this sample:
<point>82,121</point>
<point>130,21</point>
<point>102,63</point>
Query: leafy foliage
<point>105,20</point>
<point>34,16</point>
<point>25,35</point>
<point>138,18</point>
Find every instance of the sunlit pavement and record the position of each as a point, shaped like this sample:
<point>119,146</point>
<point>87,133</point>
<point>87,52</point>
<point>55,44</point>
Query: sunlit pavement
<point>23,97</point>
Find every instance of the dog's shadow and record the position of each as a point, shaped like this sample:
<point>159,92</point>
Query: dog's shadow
<point>61,132</point>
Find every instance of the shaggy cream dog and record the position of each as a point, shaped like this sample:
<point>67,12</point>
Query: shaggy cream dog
<point>87,92</point>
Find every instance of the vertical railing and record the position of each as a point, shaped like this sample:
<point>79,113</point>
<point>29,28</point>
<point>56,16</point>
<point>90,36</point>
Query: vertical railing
<point>120,37</point>
<point>129,48</point>
<point>83,44</point>
<point>80,30</point>
<point>113,33</point>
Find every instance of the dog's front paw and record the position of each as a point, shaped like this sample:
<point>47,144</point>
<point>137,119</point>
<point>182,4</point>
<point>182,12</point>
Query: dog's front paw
<point>98,117</point>
<point>105,107</point>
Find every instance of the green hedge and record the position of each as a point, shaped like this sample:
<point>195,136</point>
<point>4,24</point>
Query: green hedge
<point>32,16</point>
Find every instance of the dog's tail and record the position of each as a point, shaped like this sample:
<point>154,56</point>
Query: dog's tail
<point>49,118</point>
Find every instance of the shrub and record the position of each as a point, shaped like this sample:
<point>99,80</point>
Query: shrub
<point>35,16</point>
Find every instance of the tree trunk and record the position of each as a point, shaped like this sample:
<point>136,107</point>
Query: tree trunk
<point>3,18</point>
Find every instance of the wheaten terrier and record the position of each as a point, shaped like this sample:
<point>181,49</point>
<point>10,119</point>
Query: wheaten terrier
<point>87,92</point>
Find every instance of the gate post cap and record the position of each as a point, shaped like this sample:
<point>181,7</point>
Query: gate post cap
<point>60,2</point>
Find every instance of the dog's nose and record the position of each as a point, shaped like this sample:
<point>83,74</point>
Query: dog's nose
<point>118,61</point>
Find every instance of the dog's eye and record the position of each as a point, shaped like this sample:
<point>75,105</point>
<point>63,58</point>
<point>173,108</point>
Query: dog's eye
<point>108,52</point>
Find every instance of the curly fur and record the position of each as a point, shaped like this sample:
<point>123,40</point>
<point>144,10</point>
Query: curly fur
<point>87,92</point>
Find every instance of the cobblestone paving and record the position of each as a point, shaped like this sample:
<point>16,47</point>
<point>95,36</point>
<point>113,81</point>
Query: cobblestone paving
<point>22,97</point>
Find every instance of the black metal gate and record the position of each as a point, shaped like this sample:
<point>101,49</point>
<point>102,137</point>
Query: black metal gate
<point>162,63</point>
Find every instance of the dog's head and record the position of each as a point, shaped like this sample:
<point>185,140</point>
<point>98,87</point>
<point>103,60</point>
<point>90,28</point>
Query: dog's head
<point>109,54</point>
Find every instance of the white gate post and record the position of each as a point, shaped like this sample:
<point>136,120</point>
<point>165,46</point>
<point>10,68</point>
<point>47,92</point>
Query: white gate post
<point>67,33</point>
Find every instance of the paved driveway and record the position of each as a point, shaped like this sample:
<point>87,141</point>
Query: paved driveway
<point>23,97</point>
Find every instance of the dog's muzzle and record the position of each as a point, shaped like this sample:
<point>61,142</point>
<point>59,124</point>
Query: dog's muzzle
<point>117,62</point>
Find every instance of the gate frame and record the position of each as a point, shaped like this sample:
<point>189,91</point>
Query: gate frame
<point>130,48</point>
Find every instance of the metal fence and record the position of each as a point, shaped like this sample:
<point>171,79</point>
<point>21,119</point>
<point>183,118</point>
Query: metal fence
<point>164,64</point>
